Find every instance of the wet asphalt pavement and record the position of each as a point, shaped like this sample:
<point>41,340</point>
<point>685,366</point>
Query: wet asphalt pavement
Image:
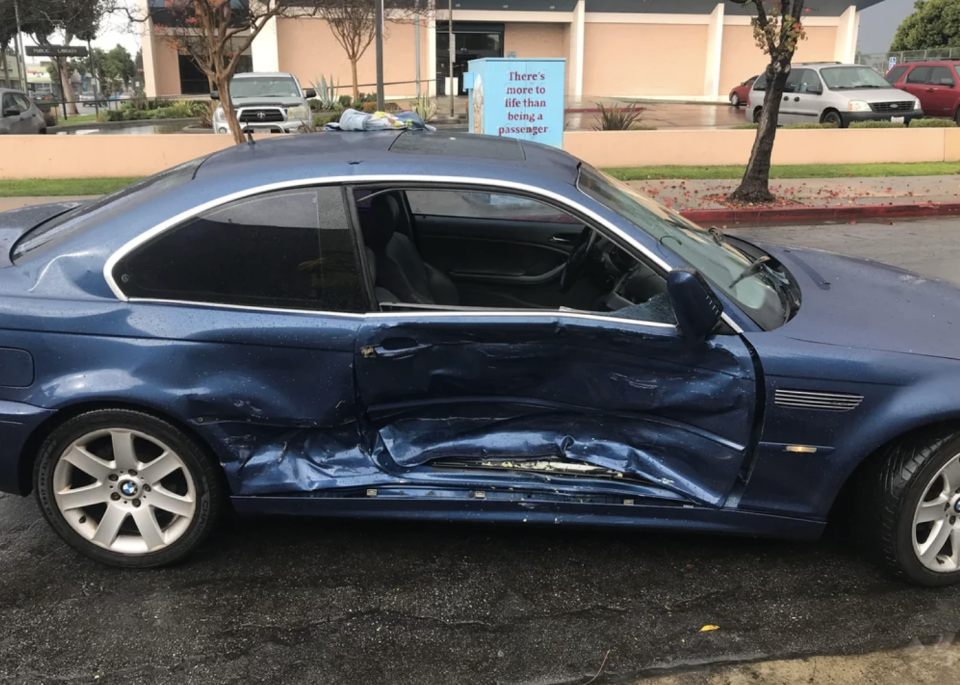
<point>294,601</point>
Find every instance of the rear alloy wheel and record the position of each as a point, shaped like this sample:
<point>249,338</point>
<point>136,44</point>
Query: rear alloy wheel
<point>908,511</point>
<point>735,100</point>
<point>126,488</point>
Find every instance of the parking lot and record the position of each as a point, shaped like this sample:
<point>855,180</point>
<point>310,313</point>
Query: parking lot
<point>336,602</point>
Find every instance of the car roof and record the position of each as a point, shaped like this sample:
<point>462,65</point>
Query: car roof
<point>422,153</point>
<point>253,74</point>
<point>930,62</point>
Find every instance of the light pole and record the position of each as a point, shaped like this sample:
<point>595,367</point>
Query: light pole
<point>416,38</point>
<point>18,43</point>
<point>453,54</point>
<point>378,17</point>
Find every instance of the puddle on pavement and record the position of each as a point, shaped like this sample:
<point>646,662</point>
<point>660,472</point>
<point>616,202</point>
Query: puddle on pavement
<point>925,660</point>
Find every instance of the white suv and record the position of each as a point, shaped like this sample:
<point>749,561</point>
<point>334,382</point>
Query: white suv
<point>830,92</point>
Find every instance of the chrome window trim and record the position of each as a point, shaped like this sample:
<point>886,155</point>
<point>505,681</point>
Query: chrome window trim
<point>556,198</point>
<point>419,314</point>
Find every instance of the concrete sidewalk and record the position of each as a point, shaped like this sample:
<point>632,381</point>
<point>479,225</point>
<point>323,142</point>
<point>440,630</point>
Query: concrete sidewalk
<point>8,203</point>
<point>692,194</point>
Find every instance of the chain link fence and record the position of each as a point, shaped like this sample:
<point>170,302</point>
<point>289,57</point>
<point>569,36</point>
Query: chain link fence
<point>881,61</point>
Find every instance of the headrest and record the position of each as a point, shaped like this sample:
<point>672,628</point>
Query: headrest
<point>384,215</point>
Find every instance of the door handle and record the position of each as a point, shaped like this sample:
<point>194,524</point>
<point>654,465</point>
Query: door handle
<point>564,238</point>
<point>796,99</point>
<point>786,98</point>
<point>929,90</point>
<point>393,348</point>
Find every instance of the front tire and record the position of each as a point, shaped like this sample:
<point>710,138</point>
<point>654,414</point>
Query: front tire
<point>832,117</point>
<point>908,507</point>
<point>126,488</point>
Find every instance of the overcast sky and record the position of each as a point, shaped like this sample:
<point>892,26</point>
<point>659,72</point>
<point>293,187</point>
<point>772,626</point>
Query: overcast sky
<point>880,22</point>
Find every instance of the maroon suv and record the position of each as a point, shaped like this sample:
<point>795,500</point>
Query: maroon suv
<point>936,84</point>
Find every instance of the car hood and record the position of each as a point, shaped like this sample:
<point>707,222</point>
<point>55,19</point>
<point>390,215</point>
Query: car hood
<point>875,94</point>
<point>261,101</point>
<point>861,303</point>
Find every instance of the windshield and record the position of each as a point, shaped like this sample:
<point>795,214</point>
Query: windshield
<point>264,86</point>
<point>758,292</point>
<point>848,78</point>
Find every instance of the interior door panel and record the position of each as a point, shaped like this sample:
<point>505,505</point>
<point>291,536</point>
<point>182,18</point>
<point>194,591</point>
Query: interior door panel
<point>471,249</point>
<point>504,263</point>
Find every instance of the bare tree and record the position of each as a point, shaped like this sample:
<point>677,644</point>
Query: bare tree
<point>353,25</point>
<point>778,29</point>
<point>215,33</point>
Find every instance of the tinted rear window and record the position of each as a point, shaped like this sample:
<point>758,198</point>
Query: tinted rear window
<point>54,232</point>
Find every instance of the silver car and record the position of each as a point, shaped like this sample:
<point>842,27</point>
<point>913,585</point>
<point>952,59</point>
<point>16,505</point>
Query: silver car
<point>830,92</point>
<point>18,114</point>
<point>266,102</point>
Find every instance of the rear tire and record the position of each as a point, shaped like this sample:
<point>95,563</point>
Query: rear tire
<point>127,489</point>
<point>907,507</point>
<point>735,100</point>
<point>756,114</point>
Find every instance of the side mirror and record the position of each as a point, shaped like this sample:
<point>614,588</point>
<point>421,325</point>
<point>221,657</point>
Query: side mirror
<point>214,94</point>
<point>695,305</point>
<point>947,82</point>
<point>309,93</point>
<point>11,112</point>
<point>815,91</point>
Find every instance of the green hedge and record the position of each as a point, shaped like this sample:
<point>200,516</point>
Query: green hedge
<point>321,120</point>
<point>810,125</point>
<point>933,123</point>
<point>790,126</point>
<point>182,109</point>
<point>877,124</point>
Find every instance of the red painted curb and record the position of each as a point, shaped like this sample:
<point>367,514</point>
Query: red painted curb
<point>792,214</point>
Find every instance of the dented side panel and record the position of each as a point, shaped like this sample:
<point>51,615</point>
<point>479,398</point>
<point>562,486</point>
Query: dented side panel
<point>635,399</point>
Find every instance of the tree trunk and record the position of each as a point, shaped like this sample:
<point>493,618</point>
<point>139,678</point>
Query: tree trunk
<point>356,80</point>
<point>6,68</point>
<point>223,86</point>
<point>67,88</point>
<point>755,186</point>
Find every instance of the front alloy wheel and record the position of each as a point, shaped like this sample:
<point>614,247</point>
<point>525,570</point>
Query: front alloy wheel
<point>907,511</point>
<point>126,488</point>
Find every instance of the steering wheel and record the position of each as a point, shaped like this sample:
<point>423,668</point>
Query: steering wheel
<point>578,258</point>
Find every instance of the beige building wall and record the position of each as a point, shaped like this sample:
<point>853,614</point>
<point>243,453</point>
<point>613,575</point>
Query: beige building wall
<point>536,40</point>
<point>819,46</point>
<point>308,49</point>
<point>166,62</point>
<point>740,58</point>
<point>629,59</point>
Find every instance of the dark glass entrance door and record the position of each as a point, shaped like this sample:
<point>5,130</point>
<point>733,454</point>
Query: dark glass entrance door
<point>472,41</point>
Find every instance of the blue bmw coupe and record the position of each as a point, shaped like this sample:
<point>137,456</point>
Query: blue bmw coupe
<point>424,326</point>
